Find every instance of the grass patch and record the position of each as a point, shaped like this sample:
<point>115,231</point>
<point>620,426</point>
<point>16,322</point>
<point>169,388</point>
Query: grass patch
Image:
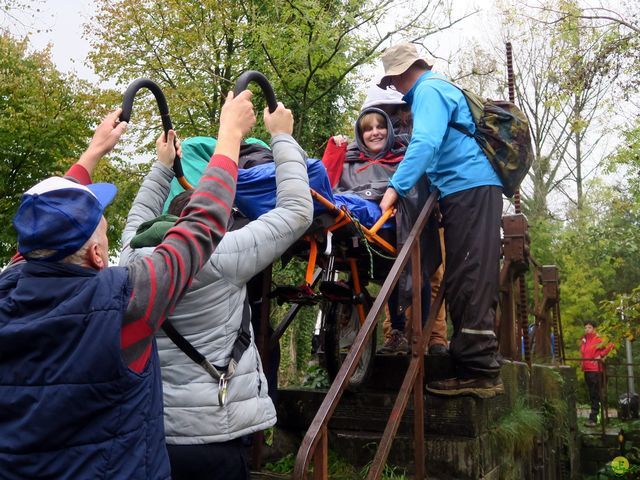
<point>389,473</point>
<point>516,432</point>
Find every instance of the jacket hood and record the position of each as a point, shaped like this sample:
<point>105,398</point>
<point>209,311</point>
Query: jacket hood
<point>390,135</point>
<point>376,96</point>
<point>196,153</point>
<point>151,232</point>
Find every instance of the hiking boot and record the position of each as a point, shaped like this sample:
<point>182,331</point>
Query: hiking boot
<point>481,387</point>
<point>396,344</point>
<point>590,423</point>
<point>438,350</point>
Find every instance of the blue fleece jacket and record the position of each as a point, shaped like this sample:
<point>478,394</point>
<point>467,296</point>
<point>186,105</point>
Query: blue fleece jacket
<point>452,161</point>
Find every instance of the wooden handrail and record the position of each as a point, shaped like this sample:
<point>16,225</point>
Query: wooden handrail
<point>412,383</point>
<point>316,436</point>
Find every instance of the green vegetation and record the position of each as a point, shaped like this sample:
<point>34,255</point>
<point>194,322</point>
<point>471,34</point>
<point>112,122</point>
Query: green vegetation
<point>518,429</point>
<point>339,469</point>
<point>316,377</point>
<point>45,120</point>
<point>311,51</point>
<point>295,344</point>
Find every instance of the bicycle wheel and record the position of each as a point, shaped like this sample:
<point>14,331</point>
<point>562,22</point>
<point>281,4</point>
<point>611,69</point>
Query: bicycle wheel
<point>341,325</point>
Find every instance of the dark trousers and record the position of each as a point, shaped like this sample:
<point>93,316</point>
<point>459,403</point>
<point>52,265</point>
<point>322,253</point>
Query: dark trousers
<point>471,220</point>
<point>212,461</point>
<point>399,319</point>
<point>592,379</point>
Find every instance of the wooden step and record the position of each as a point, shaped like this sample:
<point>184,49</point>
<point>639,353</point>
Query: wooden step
<point>369,410</point>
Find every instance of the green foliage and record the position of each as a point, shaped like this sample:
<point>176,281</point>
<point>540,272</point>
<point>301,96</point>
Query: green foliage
<point>596,249</point>
<point>567,76</point>
<point>621,315</point>
<point>45,123</point>
<point>598,252</point>
<point>388,473</point>
<point>518,430</point>
<point>311,51</point>
<point>308,58</point>
<point>627,159</point>
<point>282,465</point>
<point>394,473</point>
<point>316,377</point>
<point>339,468</point>
<point>196,49</point>
<point>192,48</point>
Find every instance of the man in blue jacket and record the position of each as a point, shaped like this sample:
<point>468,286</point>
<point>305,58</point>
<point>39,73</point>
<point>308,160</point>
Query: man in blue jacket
<point>471,207</point>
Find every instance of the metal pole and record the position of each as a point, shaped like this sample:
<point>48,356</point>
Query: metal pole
<point>630,382</point>
<point>631,387</point>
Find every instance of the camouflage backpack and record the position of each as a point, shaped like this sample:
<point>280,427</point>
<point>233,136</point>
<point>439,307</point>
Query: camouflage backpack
<point>502,131</point>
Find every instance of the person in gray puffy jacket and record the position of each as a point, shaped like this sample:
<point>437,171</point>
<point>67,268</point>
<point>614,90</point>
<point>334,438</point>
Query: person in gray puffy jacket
<point>204,437</point>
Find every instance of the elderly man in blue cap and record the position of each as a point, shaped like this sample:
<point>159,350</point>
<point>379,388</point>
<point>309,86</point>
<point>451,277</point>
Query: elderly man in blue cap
<point>80,386</point>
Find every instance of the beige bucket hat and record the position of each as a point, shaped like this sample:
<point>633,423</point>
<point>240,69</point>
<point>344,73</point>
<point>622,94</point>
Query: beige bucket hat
<point>397,59</point>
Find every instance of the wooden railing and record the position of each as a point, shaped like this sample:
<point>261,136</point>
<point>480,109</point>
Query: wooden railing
<point>315,445</point>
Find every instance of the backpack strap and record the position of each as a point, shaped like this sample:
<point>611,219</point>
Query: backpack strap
<point>456,126</point>
<point>462,129</point>
<point>243,340</point>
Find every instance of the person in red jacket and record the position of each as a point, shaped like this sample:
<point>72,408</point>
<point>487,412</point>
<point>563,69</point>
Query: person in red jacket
<point>592,351</point>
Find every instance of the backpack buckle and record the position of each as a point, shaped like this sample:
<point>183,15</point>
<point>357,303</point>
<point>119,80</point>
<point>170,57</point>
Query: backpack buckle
<point>222,390</point>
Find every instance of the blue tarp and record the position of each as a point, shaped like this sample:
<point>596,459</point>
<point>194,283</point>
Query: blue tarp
<point>256,189</point>
<point>366,211</point>
<point>256,193</point>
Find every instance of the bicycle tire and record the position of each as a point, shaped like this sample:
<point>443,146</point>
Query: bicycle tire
<point>337,316</point>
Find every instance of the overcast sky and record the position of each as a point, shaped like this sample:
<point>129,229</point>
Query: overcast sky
<point>60,23</point>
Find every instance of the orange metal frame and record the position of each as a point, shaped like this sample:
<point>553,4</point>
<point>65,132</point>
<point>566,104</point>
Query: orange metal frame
<point>342,219</point>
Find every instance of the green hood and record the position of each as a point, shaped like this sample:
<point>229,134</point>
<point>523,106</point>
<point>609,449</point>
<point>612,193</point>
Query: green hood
<point>196,153</point>
<point>151,233</point>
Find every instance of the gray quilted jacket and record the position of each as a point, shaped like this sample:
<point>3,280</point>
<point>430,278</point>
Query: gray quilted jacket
<point>210,313</point>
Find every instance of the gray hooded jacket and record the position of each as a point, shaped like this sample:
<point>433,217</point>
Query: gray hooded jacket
<point>210,313</point>
<point>365,173</point>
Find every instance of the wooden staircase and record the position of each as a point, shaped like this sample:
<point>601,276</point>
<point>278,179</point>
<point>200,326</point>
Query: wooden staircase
<point>459,443</point>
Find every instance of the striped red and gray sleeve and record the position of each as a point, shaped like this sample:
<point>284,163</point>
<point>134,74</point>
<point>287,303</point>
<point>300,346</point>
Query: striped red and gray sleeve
<point>80,174</point>
<point>159,280</point>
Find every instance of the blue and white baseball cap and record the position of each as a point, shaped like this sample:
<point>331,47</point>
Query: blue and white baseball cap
<point>59,214</point>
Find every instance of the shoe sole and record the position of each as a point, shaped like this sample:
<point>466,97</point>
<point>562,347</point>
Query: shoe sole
<point>483,393</point>
<point>394,352</point>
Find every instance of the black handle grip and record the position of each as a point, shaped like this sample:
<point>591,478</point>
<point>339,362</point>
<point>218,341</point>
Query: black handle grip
<point>127,107</point>
<point>254,76</point>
